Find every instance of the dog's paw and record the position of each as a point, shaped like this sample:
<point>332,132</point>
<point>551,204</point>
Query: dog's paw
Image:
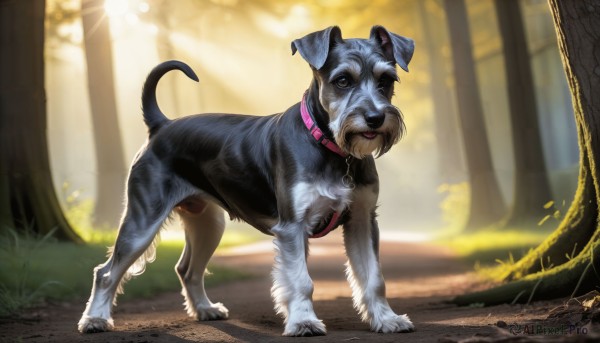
<point>392,323</point>
<point>213,312</point>
<point>94,324</point>
<point>305,328</point>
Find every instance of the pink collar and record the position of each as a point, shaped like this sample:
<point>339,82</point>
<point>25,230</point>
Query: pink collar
<point>315,131</point>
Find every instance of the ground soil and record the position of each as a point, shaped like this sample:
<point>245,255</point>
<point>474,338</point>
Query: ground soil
<point>420,279</point>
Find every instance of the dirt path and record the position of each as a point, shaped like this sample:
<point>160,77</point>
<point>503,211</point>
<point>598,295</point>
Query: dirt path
<point>419,277</point>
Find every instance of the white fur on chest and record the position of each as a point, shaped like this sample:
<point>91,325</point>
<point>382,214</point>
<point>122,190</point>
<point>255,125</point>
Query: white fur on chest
<point>315,200</point>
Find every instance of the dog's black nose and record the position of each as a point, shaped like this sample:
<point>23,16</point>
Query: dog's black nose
<point>374,119</point>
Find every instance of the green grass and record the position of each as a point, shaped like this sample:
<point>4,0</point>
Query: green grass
<point>493,251</point>
<point>38,269</point>
<point>489,245</point>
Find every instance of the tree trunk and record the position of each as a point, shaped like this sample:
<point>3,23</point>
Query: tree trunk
<point>577,25</point>
<point>446,129</point>
<point>165,50</point>
<point>110,160</point>
<point>28,200</point>
<point>486,205</point>
<point>531,185</point>
<point>572,234</point>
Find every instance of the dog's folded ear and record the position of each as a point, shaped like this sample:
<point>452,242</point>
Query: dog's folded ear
<point>315,46</point>
<point>395,47</point>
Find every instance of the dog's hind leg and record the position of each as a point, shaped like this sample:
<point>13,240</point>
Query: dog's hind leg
<point>204,223</point>
<point>133,240</point>
<point>144,215</point>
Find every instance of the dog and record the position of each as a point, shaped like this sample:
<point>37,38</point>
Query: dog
<point>294,175</point>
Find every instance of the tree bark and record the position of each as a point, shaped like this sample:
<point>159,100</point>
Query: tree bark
<point>531,185</point>
<point>486,203</point>
<point>446,127</point>
<point>577,25</point>
<point>28,200</point>
<point>110,160</point>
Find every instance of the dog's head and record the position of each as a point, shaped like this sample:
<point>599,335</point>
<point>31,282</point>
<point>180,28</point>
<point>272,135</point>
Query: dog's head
<point>355,80</point>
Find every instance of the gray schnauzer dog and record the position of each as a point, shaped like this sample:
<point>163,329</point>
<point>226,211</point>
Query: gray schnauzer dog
<point>294,175</point>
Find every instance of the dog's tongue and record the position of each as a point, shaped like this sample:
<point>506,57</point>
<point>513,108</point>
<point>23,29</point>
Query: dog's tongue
<point>369,134</point>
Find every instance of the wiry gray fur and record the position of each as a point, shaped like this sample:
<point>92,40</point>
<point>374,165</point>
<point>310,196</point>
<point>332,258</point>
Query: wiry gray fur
<point>270,172</point>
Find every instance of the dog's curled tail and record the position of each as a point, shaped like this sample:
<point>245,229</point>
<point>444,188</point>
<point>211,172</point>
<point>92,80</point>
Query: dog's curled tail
<point>153,116</point>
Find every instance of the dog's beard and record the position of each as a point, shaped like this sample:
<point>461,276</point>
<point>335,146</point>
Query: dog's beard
<point>359,146</point>
<point>348,134</point>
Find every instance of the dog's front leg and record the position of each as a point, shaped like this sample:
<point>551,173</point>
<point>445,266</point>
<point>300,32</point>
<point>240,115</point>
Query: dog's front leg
<point>292,287</point>
<point>361,239</point>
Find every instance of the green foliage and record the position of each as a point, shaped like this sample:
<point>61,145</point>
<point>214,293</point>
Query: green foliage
<point>16,289</point>
<point>557,214</point>
<point>455,205</point>
<point>78,212</point>
<point>495,250</point>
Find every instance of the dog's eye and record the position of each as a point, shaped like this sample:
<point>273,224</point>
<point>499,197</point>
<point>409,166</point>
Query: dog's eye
<point>343,82</point>
<point>384,83</point>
